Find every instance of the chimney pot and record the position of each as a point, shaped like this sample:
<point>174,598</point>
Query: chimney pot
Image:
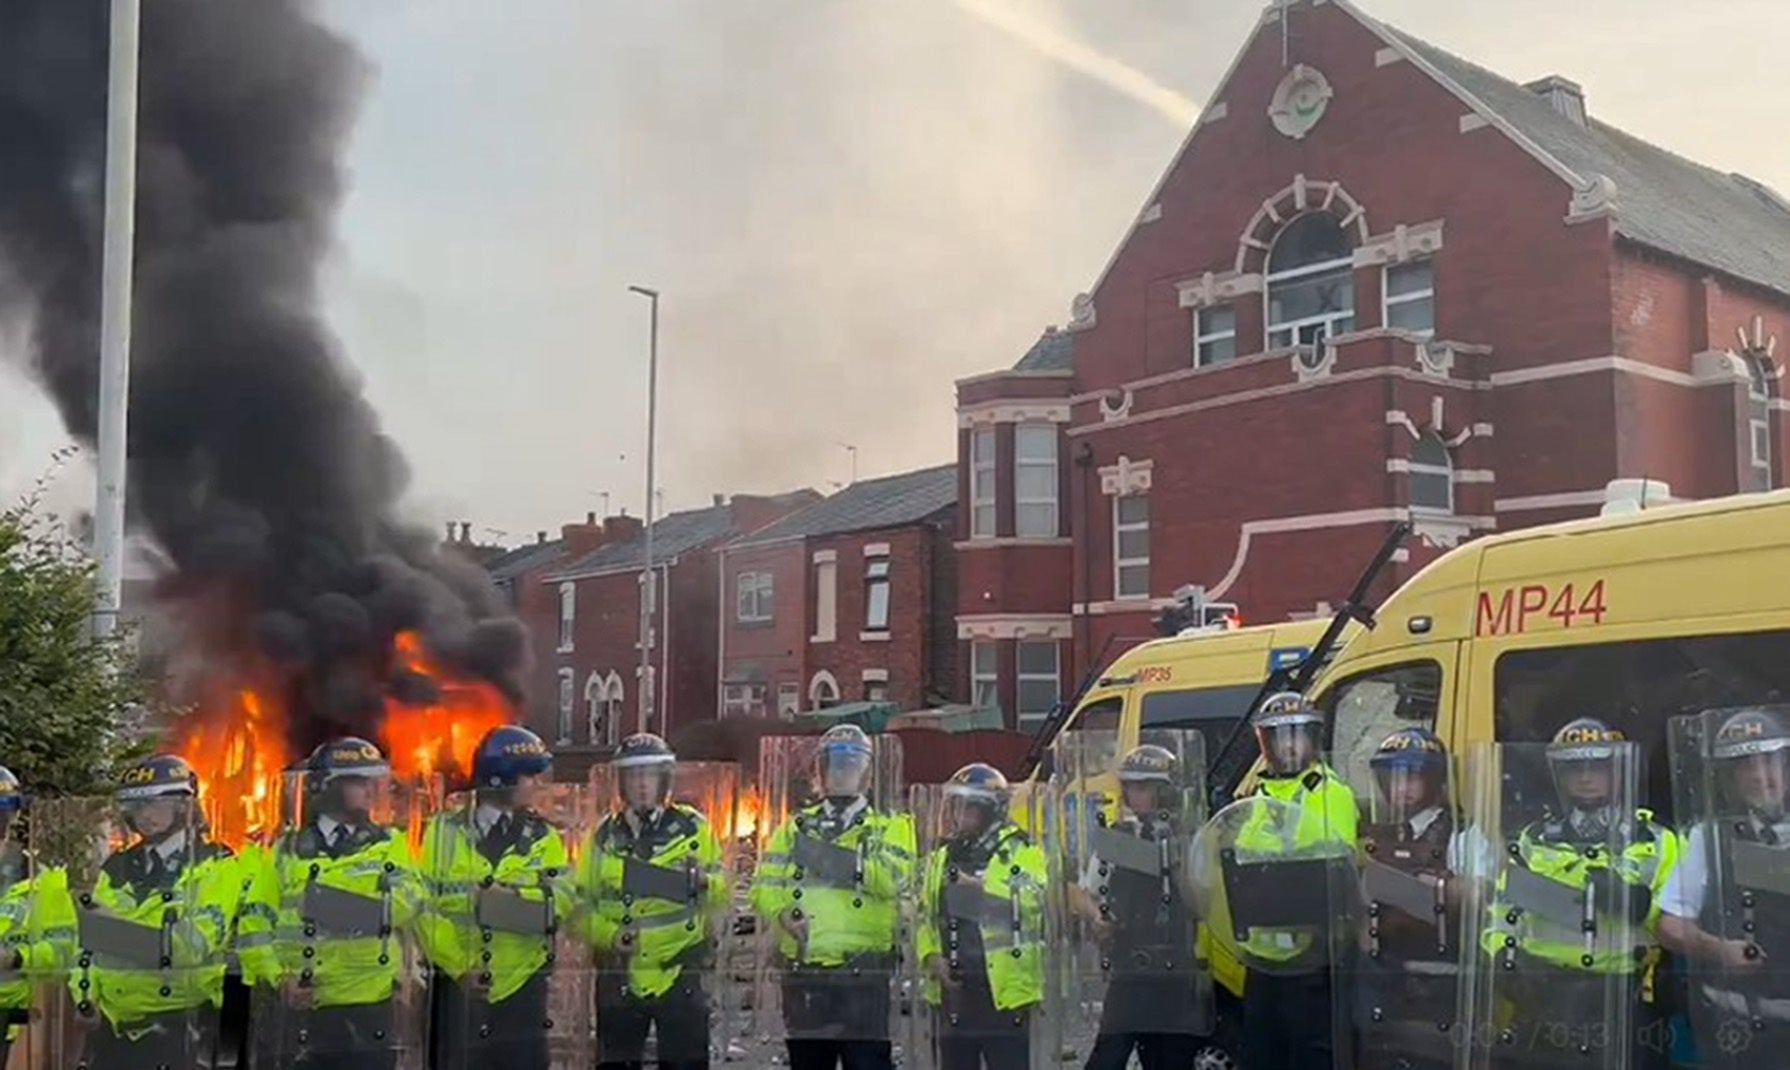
<point>540,538</point>
<point>450,531</point>
<point>1562,94</point>
<point>590,518</point>
<point>466,531</point>
<point>720,500</point>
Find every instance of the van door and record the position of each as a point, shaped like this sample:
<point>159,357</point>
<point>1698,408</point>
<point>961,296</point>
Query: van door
<point>1410,687</point>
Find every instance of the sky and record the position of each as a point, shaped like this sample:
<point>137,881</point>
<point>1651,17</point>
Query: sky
<point>847,205</point>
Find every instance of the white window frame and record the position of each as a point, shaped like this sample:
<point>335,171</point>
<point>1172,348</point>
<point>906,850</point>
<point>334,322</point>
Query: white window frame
<point>742,700</point>
<point>989,680</point>
<point>567,690</point>
<point>758,589</point>
<point>1121,563</point>
<point>1417,468</point>
<point>826,602</point>
<point>596,700</point>
<point>877,575</point>
<point>1021,678</point>
<point>871,686</point>
<point>1327,324</point>
<point>615,705</point>
<point>1204,336</point>
<point>568,616</point>
<point>1760,433</point>
<point>982,488</point>
<point>1021,462</point>
<point>789,699</point>
<point>1388,300</point>
<point>824,682</point>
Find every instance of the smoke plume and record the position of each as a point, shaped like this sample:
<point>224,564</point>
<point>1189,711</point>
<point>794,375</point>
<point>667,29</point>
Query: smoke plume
<point>255,463</point>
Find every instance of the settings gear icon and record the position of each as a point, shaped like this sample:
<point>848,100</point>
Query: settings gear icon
<point>1734,1036</point>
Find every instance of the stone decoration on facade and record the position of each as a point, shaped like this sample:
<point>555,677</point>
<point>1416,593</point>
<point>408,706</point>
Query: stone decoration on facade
<point>1434,357</point>
<point>1298,197</point>
<point>1125,477</point>
<point>1217,289</point>
<point>1081,313</point>
<point>1405,242</point>
<point>1115,404</point>
<point>1596,199</point>
<point>1014,412</point>
<point>1300,101</point>
<point>1314,361</point>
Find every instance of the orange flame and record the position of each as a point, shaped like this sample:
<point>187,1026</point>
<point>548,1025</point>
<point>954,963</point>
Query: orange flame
<point>238,745</point>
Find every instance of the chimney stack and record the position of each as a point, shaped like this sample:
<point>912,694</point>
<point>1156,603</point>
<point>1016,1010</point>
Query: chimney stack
<point>581,539</point>
<point>720,500</point>
<point>450,532</point>
<point>540,538</point>
<point>624,528</point>
<point>1563,95</point>
<point>466,532</point>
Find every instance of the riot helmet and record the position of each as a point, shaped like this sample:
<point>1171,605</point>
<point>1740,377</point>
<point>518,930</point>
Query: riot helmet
<point>842,764</point>
<point>644,765</point>
<point>1410,769</point>
<point>1585,760</point>
<point>1752,750</point>
<point>508,766</point>
<point>155,795</point>
<point>1290,733</point>
<point>1149,776</point>
<point>342,777</point>
<point>976,800</point>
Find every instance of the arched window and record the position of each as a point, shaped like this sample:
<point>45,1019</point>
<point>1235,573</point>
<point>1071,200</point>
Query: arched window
<point>823,691</point>
<point>1311,282</point>
<point>1432,475</point>
<point>596,700</point>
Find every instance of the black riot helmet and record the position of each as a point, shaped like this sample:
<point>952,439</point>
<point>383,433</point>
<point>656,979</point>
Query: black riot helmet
<point>1751,750</point>
<point>1290,732</point>
<point>644,767</point>
<point>1158,769</point>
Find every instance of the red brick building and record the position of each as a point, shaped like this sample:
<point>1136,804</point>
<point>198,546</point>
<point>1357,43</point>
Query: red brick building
<point>1376,283</point>
<point>851,599</point>
<point>587,690</point>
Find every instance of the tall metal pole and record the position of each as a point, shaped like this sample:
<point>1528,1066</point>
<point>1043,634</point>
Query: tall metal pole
<point>649,598</point>
<point>115,312</point>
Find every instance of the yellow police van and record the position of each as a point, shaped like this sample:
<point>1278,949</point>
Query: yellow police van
<point>1633,617</point>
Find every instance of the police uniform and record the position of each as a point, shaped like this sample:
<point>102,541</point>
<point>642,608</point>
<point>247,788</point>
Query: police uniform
<point>1288,1018</point>
<point>1550,971</point>
<point>1152,1003</point>
<point>179,882</point>
<point>993,965</point>
<point>835,979</point>
<point>651,950</point>
<point>490,990</point>
<point>36,917</point>
<point>347,1019</point>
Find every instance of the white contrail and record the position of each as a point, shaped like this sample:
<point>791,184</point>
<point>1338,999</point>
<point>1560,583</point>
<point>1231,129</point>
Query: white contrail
<point>1053,44</point>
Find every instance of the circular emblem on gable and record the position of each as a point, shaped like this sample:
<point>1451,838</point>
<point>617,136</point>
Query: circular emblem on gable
<point>1300,101</point>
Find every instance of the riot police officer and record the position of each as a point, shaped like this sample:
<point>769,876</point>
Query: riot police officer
<point>1287,1016</point>
<point>1153,1000</point>
<point>330,915</point>
<point>981,928</point>
<point>36,915</point>
<point>837,926</point>
<point>1603,850</point>
<point>651,886</point>
<point>1731,924</point>
<point>172,879</point>
<point>490,991</point>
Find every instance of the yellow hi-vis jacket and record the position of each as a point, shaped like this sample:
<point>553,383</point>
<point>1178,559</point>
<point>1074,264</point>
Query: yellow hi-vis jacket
<point>534,866</point>
<point>655,935</point>
<point>276,943</point>
<point>191,906</point>
<point>848,913</point>
<point>1328,817</point>
<point>1011,926</point>
<point>37,918</point>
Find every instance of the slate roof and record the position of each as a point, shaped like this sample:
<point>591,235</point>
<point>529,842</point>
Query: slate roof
<point>1053,351</point>
<point>873,503</point>
<point>1725,221</point>
<point>674,534</point>
<point>513,563</point>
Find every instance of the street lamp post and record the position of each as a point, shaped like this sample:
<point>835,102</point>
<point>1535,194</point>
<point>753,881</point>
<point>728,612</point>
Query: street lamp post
<point>115,312</point>
<point>649,595</point>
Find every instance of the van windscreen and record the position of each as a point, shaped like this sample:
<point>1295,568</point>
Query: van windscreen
<point>1212,710</point>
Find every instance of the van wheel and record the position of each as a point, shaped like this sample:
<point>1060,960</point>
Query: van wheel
<point>1213,1057</point>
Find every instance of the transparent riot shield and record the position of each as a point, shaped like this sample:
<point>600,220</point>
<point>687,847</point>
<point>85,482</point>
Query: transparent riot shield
<point>654,899</point>
<point>512,984</point>
<point>1276,883</point>
<point>991,925</point>
<point>1555,968</point>
<point>1729,770</point>
<point>146,914</point>
<point>330,935</point>
<point>836,862</point>
<point>1401,989</point>
<point>36,925</point>
<point>1135,973</point>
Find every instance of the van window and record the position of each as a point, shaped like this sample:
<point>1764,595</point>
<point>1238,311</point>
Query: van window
<point>1637,687</point>
<point>1367,708</point>
<point>1215,711</point>
<point>1102,716</point>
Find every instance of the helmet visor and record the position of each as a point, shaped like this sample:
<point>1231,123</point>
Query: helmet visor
<point>1289,747</point>
<point>645,786</point>
<point>1402,790</point>
<point>1757,782</point>
<point>844,769</point>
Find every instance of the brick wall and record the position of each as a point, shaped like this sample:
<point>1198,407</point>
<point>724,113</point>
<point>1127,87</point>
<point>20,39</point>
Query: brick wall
<point>772,652</point>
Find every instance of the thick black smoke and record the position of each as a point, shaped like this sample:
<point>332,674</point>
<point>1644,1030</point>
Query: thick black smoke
<point>255,462</point>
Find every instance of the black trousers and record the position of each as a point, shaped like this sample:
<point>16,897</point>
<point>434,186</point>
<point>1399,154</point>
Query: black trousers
<point>470,1033</point>
<point>177,1041</point>
<point>1287,1021</point>
<point>818,1054</point>
<point>360,1037</point>
<point>681,1016</point>
<point>974,1034</point>
<point>1155,1051</point>
<point>837,1015</point>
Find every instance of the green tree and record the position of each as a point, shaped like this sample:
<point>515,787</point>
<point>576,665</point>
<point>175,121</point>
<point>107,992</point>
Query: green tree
<point>65,697</point>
